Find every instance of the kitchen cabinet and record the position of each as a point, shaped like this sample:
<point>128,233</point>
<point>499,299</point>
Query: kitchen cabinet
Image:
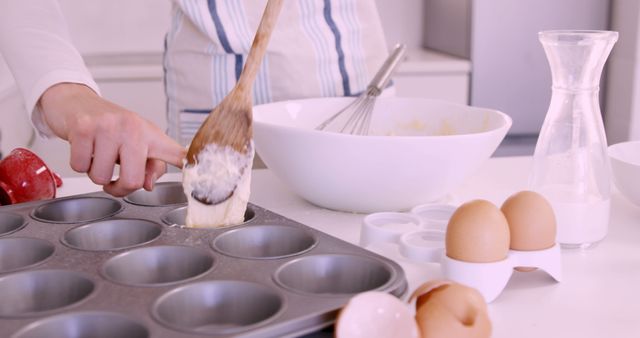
<point>434,75</point>
<point>425,72</point>
<point>510,71</point>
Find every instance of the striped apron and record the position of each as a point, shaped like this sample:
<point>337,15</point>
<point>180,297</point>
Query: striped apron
<point>319,48</point>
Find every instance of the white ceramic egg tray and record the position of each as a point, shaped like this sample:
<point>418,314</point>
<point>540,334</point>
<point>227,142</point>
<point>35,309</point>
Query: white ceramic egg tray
<point>96,266</point>
<point>420,235</point>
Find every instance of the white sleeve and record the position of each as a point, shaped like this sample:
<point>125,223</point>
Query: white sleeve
<point>36,45</point>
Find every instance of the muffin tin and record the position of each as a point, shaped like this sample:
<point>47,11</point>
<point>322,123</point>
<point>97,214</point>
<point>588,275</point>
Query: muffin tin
<point>93,265</point>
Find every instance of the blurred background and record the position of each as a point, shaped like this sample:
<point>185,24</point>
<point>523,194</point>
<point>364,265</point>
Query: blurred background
<point>484,53</point>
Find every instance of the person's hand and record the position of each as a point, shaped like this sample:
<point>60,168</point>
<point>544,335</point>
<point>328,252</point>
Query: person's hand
<point>102,134</point>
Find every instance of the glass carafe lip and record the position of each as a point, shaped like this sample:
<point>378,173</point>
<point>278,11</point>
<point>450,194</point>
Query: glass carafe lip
<point>575,36</point>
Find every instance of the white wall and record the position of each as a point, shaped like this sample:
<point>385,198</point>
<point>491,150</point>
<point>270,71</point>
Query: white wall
<point>403,21</point>
<point>622,112</point>
<point>100,26</point>
<point>116,26</point>
<point>510,70</point>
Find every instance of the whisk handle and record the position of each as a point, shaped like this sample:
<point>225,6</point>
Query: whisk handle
<point>384,74</point>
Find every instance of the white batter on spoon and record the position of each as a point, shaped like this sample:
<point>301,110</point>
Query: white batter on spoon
<point>217,172</point>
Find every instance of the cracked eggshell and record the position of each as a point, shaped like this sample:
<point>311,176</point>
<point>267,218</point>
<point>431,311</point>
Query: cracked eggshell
<point>450,310</point>
<point>376,314</point>
<point>477,233</point>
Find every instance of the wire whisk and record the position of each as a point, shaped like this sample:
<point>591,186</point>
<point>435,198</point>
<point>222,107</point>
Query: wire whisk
<point>358,112</point>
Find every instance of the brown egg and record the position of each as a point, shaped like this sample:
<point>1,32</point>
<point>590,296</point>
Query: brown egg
<point>478,233</point>
<point>451,310</point>
<point>532,222</point>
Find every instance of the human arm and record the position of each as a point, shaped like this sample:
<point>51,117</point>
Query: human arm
<point>62,98</point>
<point>101,134</point>
<point>36,45</point>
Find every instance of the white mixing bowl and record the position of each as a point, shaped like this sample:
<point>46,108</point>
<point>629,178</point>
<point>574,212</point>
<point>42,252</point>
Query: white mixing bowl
<point>418,150</point>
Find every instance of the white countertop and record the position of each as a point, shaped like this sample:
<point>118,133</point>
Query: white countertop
<point>598,297</point>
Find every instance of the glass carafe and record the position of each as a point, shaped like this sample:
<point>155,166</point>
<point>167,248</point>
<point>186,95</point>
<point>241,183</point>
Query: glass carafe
<point>570,163</point>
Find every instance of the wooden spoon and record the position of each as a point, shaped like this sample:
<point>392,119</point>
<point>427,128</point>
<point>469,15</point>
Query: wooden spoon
<point>229,124</point>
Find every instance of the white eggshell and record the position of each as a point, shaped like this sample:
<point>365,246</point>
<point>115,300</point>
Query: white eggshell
<point>376,314</point>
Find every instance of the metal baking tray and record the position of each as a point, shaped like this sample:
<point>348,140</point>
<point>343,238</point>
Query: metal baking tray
<point>96,266</point>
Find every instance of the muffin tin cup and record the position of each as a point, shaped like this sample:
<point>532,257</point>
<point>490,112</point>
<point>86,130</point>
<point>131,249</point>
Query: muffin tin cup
<point>334,275</point>
<point>218,307</point>
<point>37,292</point>
<point>22,252</point>
<point>158,265</point>
<point>77,210</point>
<point>264,242</point>
<point>112,234</point>
<point>177,217</point>
<point>10,223</point>
<point>85,325</point>
<point>163,194</point>
<point>114,260</point>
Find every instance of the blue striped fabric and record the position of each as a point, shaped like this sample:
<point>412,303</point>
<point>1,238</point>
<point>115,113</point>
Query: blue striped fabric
<point>192,11</point>
<point>239,64</point>
<point>320,48</point>
<point>197,111</point>
<point>234,14</point>
<point>311,26</point>
<point>349,18</point>
<point>219,83</point>
<point>343,70</point>
<point>222,36</point>
<point>238,17</point>
<point>169,81</point>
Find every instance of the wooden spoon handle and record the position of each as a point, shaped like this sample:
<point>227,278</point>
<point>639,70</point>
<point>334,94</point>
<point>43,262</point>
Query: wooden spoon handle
<point>259,46</point>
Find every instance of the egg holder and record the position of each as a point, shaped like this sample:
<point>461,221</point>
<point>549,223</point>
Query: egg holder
<point>420,236</point>
<point>96,266</point>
